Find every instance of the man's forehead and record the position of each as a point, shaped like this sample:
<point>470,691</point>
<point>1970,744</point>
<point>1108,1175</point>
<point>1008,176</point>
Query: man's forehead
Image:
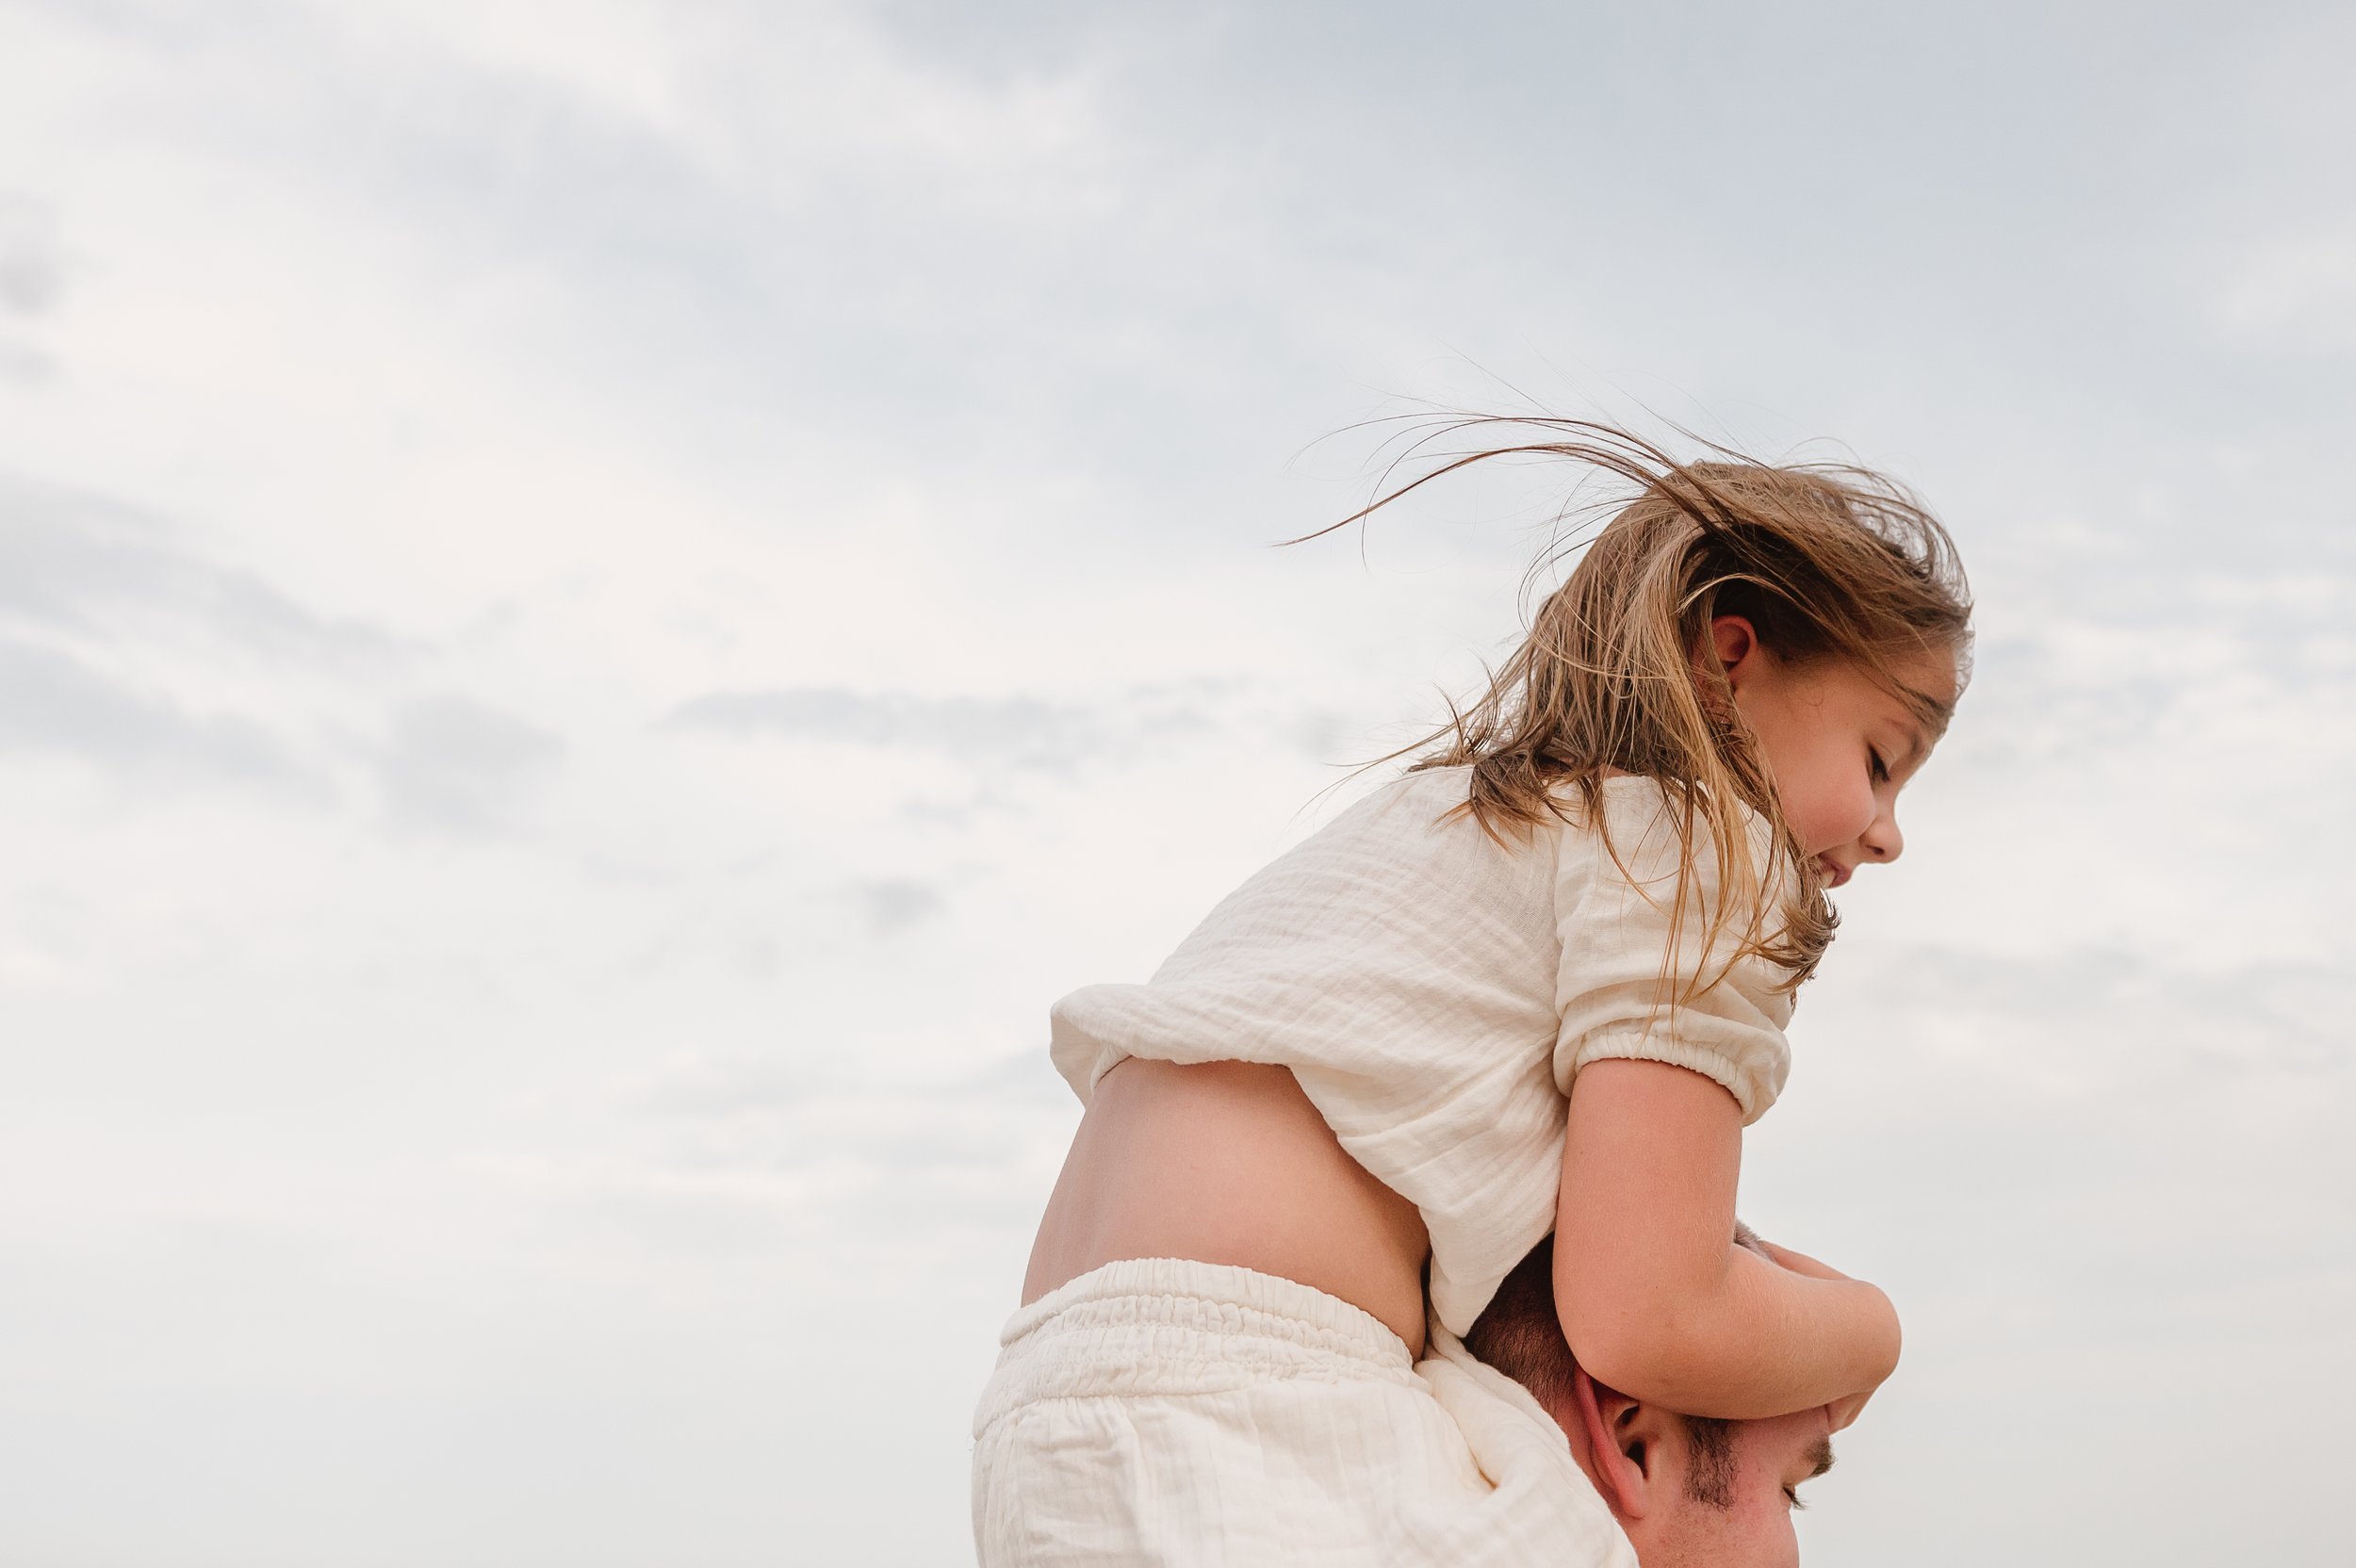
<point>1795,1448</point>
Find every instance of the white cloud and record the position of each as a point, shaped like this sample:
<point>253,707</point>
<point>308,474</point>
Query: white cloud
<point>454,764</point>
<point>2296,296</point>
<point>32,261</point>
<point>98,571</point>
<point>58,706</point>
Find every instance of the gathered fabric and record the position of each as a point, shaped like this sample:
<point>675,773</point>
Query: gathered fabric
<point>1165,1411</point>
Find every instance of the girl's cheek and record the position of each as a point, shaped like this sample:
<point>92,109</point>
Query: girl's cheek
<point>1849,811</point>
<point>1866,811</point>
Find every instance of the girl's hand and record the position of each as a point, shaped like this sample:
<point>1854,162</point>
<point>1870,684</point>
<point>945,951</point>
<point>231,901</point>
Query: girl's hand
<point>1845,1408</point>
<point>1799,1262</point>
<point>1842,1413</point>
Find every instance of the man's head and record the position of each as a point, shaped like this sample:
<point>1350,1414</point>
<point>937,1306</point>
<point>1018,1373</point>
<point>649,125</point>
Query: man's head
<point>1684,1488</point>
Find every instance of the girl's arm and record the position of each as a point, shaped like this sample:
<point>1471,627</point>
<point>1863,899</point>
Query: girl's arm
<point>1656,1299</point>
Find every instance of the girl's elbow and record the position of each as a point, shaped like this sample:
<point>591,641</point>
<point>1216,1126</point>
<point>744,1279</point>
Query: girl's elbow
<point>1640,1354</point>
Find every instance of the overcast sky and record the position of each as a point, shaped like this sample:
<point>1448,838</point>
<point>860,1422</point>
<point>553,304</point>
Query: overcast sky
<point>600,603</point>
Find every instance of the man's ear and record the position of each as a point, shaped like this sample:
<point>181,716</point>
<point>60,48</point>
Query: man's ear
<point>1627,1442</point>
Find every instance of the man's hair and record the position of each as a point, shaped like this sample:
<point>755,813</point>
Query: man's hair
<point>1519,1334</point>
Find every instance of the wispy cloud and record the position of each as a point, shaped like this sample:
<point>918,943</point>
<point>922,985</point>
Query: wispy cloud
<point>92,593</point>
<point>891,904</point>
<point>1017,731</point>
<point>2110,1024</point>
<point>32,256</point>
<point>451,764</point>
<point>56,705</point>
<point>847,1150</point>
<point>2295,295</point>
<point>80,564</point>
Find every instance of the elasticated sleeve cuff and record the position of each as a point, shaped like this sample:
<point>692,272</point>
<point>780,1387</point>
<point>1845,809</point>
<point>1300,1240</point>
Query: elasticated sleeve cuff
<point>1617,987</point>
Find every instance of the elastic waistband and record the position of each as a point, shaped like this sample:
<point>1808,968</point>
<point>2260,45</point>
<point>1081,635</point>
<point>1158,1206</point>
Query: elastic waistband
<point>1172,1326</point>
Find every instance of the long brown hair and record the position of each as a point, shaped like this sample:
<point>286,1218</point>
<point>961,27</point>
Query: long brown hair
<point>1826,561</point>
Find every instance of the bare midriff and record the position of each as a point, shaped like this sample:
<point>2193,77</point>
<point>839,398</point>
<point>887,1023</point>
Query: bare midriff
<point>1229,1162</point>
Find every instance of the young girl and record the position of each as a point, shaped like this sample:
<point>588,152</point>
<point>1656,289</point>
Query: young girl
<point>1539,984</point>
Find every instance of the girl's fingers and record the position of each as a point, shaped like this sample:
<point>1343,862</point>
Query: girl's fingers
<point>1844,1413</point>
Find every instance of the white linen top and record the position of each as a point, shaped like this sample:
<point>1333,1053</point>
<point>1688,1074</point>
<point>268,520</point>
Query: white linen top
<point>1435,992</point>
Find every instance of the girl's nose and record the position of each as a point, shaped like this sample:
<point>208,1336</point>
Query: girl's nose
<point>1882,842</point>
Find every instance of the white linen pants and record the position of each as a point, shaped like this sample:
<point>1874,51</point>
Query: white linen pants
<point>1163,1411</point>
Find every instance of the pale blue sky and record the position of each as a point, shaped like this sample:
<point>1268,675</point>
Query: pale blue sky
<point>601,604</point>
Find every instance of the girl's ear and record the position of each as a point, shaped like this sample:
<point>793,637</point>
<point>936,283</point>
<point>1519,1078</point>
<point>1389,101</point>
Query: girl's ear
<point>1628,1443</point>
<point>1735,641</point>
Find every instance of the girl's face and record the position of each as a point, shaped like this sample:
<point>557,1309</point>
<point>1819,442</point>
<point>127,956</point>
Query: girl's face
<point>1839,745</point>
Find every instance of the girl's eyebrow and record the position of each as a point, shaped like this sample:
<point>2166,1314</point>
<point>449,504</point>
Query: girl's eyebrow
<point>1927,719</point>
<point>1820,1457</point>
<point>1931,713</point>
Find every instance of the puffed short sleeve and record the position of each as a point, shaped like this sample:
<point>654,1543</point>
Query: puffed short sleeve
<point>1612,990</point>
